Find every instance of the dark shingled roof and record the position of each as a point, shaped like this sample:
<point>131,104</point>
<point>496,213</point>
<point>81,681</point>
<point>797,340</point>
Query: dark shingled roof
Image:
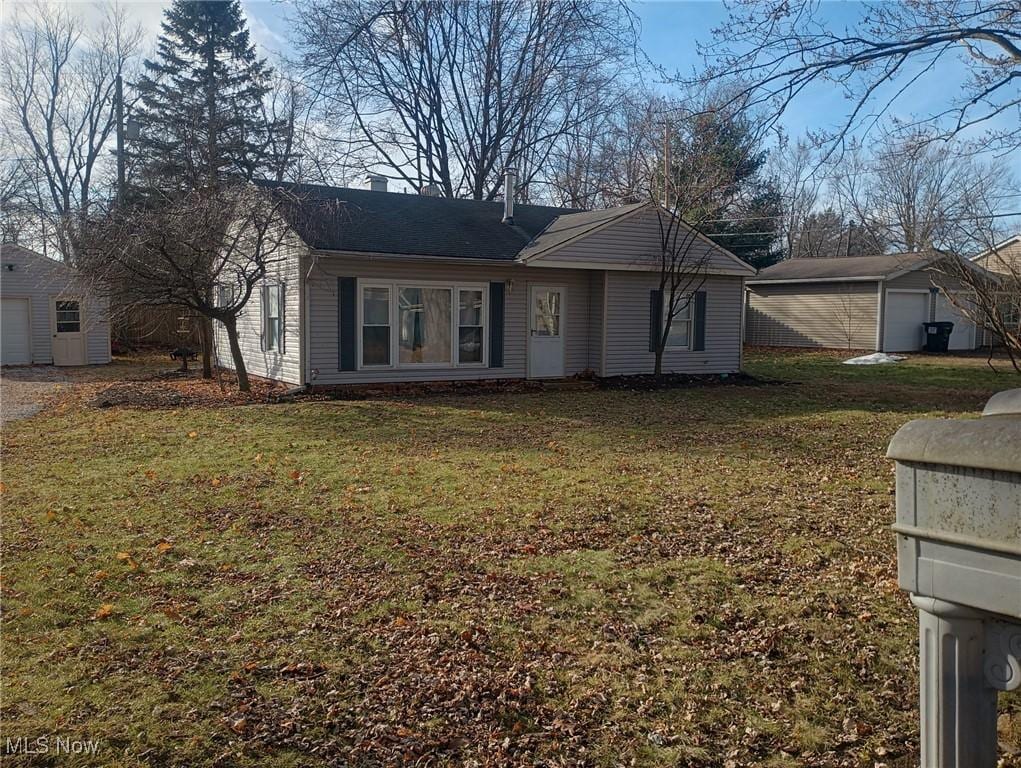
<point>345,219</point>
<point>849,268</point>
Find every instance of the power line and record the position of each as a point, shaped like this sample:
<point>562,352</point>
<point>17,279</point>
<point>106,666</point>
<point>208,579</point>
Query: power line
<point>832,230</point>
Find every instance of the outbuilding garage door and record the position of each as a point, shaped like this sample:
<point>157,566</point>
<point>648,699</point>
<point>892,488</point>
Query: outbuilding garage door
<point>15,344</point>
<point>905,313</point>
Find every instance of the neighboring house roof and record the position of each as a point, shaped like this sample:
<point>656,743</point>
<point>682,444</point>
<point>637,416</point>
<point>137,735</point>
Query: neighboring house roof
<point>12,252</point>
<point>1003,257</point>
<point>851,268</point>
<point>359,220</point>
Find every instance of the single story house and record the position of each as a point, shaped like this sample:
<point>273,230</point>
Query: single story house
<point>48,315</point>
<point>1004,258</point>
<point>858,302</point>
<point>391,287</point>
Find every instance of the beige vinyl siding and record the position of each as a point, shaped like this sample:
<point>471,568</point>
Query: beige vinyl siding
<point>627,327</point>
<point>919,279</point>
<point>40,280</point>
<point>323,315</point>
<point>839,315</point>
<point>280,365</point>
<point>634,241</point>
<point>597,298</point>
<point>1006,260</point>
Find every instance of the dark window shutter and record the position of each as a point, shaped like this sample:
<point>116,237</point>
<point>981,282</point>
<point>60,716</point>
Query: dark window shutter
<point>655,318</point>
<point>347,324</point>
<point>699,317</point>
<point>496,302</point>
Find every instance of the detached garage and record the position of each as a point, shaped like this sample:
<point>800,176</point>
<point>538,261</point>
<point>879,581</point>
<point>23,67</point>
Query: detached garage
<point>46,314</point>
<point>860,302</point>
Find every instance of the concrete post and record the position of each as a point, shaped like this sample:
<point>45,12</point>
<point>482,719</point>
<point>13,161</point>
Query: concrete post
<point>959,556</point>
<point>958,706</point>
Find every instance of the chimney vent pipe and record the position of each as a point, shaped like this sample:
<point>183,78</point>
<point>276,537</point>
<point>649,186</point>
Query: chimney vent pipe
<point>510,178</point>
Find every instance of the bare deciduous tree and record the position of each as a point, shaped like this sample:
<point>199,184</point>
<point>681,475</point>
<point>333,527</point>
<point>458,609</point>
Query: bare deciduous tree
<point>206,251</point>
<point>58,81</point>
<point>912,193</point>
<point>450,93</point>
<point>779,49</point>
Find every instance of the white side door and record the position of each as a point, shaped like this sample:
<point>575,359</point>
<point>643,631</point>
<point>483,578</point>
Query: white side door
<point>905,313</point>
<point>963,335</point>
<point>546,332</point>
<point>15,332</point>
<point>67,318</point>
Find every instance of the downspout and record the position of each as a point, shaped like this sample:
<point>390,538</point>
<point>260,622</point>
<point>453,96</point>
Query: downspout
<point>306,336</point>
<point>880,312</point>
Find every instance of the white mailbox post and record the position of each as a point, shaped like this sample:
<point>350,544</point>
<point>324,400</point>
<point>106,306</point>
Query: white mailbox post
<point>959,555</point>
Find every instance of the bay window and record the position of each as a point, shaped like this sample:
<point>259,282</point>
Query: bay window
<point>441,326</point>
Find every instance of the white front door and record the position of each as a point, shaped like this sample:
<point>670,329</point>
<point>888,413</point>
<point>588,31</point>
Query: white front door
<point>67,319</point>
<point>15,325</point>
<point>905,313</point>
<point>546,332</point>
<point>963,335</point>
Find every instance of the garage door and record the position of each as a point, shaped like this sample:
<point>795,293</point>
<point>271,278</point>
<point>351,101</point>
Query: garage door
<point>905,313</point>
<point>15,344</point>
<point>963,336</point>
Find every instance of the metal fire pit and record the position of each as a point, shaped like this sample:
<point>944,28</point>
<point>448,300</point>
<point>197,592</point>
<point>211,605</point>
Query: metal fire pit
<point>959,555</point>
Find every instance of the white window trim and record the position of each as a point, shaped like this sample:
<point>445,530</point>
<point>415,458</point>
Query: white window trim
<point>393,287</point>
<point>360,294</point>
<point>277,350</point>
<point>690,321</point>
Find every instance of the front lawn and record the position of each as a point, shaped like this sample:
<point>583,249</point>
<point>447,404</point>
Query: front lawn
<point>689,577</point>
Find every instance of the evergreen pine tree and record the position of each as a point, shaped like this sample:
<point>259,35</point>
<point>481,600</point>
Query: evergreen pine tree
<point>200,101</point>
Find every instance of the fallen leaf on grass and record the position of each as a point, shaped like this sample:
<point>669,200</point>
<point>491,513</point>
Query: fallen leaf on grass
<point>215,482</point>
<point>128,560</point>
<point>193,434</point>
<point>100,575</point>
<point>164,547</point>
<point>104,611</point>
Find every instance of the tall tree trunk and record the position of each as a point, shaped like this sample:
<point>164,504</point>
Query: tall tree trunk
<point>658,368</point>
<point>206,332</point>
<point>231,324</point>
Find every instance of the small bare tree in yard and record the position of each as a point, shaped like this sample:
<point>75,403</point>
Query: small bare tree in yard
<point>849,318</point>
<point>206,251</point>
<point>991,300</point>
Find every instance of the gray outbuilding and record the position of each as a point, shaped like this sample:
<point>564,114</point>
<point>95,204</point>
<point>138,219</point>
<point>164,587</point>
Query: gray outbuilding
<point>47,314</point>
<point>860,302</point>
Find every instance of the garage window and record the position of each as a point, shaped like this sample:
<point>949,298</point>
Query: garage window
<point>69,318</point>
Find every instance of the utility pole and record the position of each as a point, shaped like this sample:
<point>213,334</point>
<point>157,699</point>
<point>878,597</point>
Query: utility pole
<point>119,96</point>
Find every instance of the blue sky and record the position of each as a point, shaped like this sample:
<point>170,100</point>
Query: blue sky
<point>669,33</point>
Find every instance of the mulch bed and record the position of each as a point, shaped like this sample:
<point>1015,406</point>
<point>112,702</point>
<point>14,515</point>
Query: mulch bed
<point>651,382</point>
<point>175,389</point>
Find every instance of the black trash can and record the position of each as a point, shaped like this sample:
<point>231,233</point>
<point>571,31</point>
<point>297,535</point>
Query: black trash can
<point>937,336</point>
